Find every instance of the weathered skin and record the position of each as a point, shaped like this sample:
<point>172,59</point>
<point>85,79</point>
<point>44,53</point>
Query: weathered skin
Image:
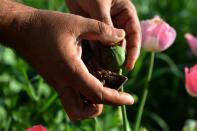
<point>116,13</point>
<point>50,42</point>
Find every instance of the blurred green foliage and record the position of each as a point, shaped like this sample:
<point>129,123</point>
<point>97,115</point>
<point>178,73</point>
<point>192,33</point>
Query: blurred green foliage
<point>26,100</point>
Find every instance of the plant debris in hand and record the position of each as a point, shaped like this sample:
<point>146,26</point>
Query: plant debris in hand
<point>97,66</point>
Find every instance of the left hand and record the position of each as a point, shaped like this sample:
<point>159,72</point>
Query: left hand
<point>119,13</point>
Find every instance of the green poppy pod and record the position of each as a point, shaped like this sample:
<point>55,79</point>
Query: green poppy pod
<point>112,58</point>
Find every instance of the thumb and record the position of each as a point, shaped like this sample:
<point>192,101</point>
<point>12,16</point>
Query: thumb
<point>96,30</point>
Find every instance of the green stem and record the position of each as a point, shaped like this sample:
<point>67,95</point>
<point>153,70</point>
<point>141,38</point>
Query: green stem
<point>8,124</point>
<point>123,110</point>
<point>124,115</point>
<point>145,93</point>
<point>96,128</point>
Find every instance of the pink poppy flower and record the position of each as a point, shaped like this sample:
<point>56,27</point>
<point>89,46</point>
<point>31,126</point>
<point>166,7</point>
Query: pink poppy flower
<point>37,128</point>
<point>191,80</point>
<point>192,41</point>
<point>157,35</point>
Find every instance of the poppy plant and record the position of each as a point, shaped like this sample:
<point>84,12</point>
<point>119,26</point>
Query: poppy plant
<point>192,41</point>
<point>157,35</point>
<point>37,128</point>
<point>191,80</point>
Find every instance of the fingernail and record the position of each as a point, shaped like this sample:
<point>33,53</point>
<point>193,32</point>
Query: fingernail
<point>132,66</point>
<point>120,33</point>
<point>129,66</point>
<point>131,100</point>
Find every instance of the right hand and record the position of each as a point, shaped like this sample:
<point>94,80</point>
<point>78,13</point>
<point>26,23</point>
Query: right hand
<point>118,13</point>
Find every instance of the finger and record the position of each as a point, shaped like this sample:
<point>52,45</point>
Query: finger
<point>133,50</point>
<point>75,107</point>
<point>94,91</point>
<point>133,38</point>
<point>75,8</point>
<point>125,17</point>
<point>102,12</point>
<point>96,30</point>
<point>113,97</point>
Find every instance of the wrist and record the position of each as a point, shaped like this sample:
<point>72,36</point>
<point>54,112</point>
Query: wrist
<point>13,17</point>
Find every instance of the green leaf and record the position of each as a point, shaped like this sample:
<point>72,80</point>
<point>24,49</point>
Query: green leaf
<point>3,114</point>
<point>49,103</point>
<point>157,119</point>
<point>172,65</point>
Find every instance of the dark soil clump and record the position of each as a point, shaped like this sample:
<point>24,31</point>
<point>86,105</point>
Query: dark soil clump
<point>108,78</point>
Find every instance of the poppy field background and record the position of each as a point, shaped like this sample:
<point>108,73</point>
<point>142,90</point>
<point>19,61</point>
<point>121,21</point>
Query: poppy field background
<point>26,100</point>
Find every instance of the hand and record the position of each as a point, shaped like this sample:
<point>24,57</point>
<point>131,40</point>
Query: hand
<point>119,13</point>
<point>50,41</point>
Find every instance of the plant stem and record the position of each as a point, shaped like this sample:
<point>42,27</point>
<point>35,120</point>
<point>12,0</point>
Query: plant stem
<point>145,93</point>
<point>124,115</point>
<point>96,126</point>
<point>123,110</point>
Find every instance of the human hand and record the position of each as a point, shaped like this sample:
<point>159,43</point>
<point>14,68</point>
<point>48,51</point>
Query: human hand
<point>118,13</point>
<point>50,41</point>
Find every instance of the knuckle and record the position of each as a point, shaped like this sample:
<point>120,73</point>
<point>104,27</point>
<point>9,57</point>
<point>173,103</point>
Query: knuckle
<point>129,12</point>
<point>74,115</point>
<point>135,46</point>
<point>105,19</point>
<point>130,6</point>
<point>116,96</point>
<point>98,96</point>
<point>103,28</point>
